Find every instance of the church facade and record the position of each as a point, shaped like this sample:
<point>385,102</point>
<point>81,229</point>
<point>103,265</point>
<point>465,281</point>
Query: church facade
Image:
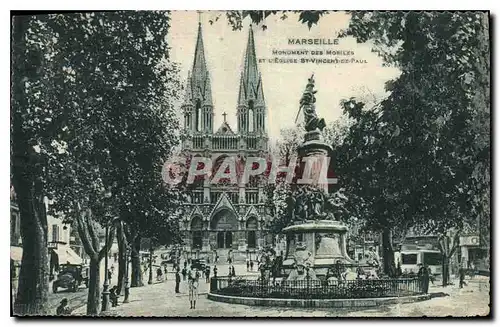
<point>225,219</point>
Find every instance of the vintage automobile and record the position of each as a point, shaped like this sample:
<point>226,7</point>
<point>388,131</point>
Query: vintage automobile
<point>71,276</point>
<point>199,264</point>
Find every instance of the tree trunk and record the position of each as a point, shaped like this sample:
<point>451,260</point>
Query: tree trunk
<point>94,295</point>
<point>446,270</point>
<point>31,298</point>
<point>90,242</point>
<point>32,294</point>
<point>388,252</point>
<point>136,278</point>
<point>121,270</point>
<point>448,245</point>
<point>122,246</point>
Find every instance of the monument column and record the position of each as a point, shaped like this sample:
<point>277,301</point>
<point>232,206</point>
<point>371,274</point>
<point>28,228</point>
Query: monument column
<point>315,238</point>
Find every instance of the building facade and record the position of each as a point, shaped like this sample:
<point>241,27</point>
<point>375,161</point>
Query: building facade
<point>227,218</point>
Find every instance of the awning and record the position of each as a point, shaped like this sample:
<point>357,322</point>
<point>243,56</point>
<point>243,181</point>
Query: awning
<point>67,255</point>
<point>16,253</point>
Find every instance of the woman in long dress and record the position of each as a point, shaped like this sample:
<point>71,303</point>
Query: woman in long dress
<point>193,288</point>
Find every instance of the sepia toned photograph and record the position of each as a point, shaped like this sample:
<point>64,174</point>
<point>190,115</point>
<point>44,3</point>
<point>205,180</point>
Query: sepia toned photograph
<point>328,164</point>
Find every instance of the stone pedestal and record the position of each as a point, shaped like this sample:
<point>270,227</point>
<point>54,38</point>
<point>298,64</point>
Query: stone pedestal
<point>314,155</point>
<point>320,244</point>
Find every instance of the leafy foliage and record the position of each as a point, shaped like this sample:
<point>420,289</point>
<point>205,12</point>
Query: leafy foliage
<point>235,18</point>
<point>98,94</point>
<point>423,133</point>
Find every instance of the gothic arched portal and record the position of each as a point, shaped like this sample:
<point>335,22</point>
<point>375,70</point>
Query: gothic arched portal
<point>251,227</point>
<point>225,223</point>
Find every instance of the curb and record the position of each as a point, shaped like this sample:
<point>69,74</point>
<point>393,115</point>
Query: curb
<point>323,303</point>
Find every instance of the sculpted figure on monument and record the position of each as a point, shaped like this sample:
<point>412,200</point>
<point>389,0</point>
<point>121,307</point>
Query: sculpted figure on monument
<point>317,199</point>
<point>307,103</point>
<point>301,205</point>
<point>290,207</point>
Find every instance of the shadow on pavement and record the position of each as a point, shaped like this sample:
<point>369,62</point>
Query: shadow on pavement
<point>439,294</point>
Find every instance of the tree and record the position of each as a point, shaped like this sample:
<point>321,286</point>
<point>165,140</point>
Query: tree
<point>102,127</point>
<point>28,128</point>
<point>426,124</point>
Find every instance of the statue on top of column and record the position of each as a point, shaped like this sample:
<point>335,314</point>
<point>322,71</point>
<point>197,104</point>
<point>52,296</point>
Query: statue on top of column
<point>307,102</point>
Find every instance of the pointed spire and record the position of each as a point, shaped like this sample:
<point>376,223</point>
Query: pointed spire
<point>199,90</point>
<point>188,96</point>
<point>260,93</point>
<point>251,90</point>
<point>250,78</point>
<point>241,95</point>
<point>199,64</point>
<point>250,70</point>
<point>208,91</point>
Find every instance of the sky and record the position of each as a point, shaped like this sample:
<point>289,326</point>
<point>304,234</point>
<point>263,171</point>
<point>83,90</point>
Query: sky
<point>283,83</point>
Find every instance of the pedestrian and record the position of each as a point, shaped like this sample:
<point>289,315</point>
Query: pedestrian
<point>159,275</point>
<point>207,274</point>
<point>177,281</point>
<point>215,271</point>
<point>63,308</point>
<point>113,296</point>
<point>233,272</point>
<point>165,271</point>
<point>423,274</point>
<point>461,273</point>
<point>193,288</point>
<point>110,274</point>
<point>248,265</point>
<point>184,273</point>
<point>251,265</point>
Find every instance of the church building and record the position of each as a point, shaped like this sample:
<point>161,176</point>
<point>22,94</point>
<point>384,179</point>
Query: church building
<point>225,219</point>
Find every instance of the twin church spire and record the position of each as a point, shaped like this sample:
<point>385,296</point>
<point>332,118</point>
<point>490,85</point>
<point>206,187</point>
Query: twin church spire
<point>251,108</point>
<point>198,105</point>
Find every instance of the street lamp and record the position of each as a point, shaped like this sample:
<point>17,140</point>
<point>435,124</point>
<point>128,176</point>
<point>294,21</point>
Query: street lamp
<point>105,288</point>
<point>105,291</point>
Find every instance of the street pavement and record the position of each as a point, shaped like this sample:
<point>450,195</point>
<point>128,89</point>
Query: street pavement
<point>160,300</point>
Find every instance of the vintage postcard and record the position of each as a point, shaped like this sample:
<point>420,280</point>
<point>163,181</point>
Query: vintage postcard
<point>250,164</point>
